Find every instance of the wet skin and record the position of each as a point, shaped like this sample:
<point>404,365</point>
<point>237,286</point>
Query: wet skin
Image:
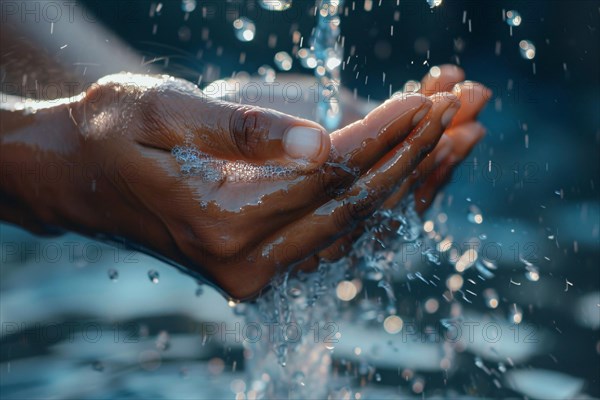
<point>105,167</point>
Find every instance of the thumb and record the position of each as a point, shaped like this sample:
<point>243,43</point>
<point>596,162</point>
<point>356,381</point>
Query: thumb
<point>262,135</point>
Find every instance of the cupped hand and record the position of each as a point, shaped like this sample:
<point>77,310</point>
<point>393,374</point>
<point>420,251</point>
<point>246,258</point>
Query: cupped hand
<point>455,144</point>
<point>457,141</point>
<point>254,190</point>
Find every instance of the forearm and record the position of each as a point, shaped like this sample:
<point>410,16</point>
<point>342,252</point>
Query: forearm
<point>36,150</point>
<point>46,61</point>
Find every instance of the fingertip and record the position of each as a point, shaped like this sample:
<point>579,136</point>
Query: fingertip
<point>401,101</point>
<point>465,137</point>
<point>445,107</point>
<point>449,71</point>
<point>306,143</point>
<point>445,97</point>
<point>481,130</point>
<point>441,78</point>
<point>395,108</point>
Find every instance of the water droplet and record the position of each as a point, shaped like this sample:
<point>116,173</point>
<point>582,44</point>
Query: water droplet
<point>475,215</point>
<point>389,290</point>
<point>393,324</point>
<point>434,3</point>
<point>113,274</point>
<point>283,61</point>
<point>298,377</point>
<point>513,18</point>
<point>244,29</point>
<point>188,5</point>
<point>267,73</point>
<point>515,314</point>
<point>307,58</point>
<point>162,341</point>
<point>527,49</point>
<point>491,298</point>
<point>153,276</point>
<point>532,274</point>
<point>275,5</point>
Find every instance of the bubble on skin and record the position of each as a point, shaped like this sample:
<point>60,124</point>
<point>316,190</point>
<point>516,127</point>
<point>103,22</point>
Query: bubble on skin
<point>194,162</point>
<point>245,29</point>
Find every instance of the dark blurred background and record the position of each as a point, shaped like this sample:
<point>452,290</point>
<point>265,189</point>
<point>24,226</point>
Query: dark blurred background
<point>543,138</point>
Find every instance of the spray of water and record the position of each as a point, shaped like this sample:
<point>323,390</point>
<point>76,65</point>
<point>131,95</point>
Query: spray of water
<point>304,308</point>
<point>328,53</point>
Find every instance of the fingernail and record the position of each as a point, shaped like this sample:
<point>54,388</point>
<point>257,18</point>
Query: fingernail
<point>449,114</point>
<point>421,114</point>
<point>302,142</point>
<point>476,132</point>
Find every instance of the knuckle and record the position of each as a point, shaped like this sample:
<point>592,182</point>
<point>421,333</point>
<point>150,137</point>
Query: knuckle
<point>249,128</point>
<point>364,206</point>
<point>345,218</point>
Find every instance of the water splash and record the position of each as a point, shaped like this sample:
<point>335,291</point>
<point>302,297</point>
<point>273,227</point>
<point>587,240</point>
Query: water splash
<point>304,308</point>
<point>326,54</point>
<point>194,162</point>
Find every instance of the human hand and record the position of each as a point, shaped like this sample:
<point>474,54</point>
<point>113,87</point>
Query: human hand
<point>240,230</point>
<point>232,220</point>
<point>457,141</point>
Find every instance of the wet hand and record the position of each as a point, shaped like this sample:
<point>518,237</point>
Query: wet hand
<point>463,133</point>
<point>455,144</point>
<point>265,190</point>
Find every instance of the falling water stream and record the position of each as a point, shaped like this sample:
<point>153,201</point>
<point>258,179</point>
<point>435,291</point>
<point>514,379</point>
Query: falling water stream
<point>296,325</point>
<point>301,311</point>
<point>304,310</point>
<point>329,52</point>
